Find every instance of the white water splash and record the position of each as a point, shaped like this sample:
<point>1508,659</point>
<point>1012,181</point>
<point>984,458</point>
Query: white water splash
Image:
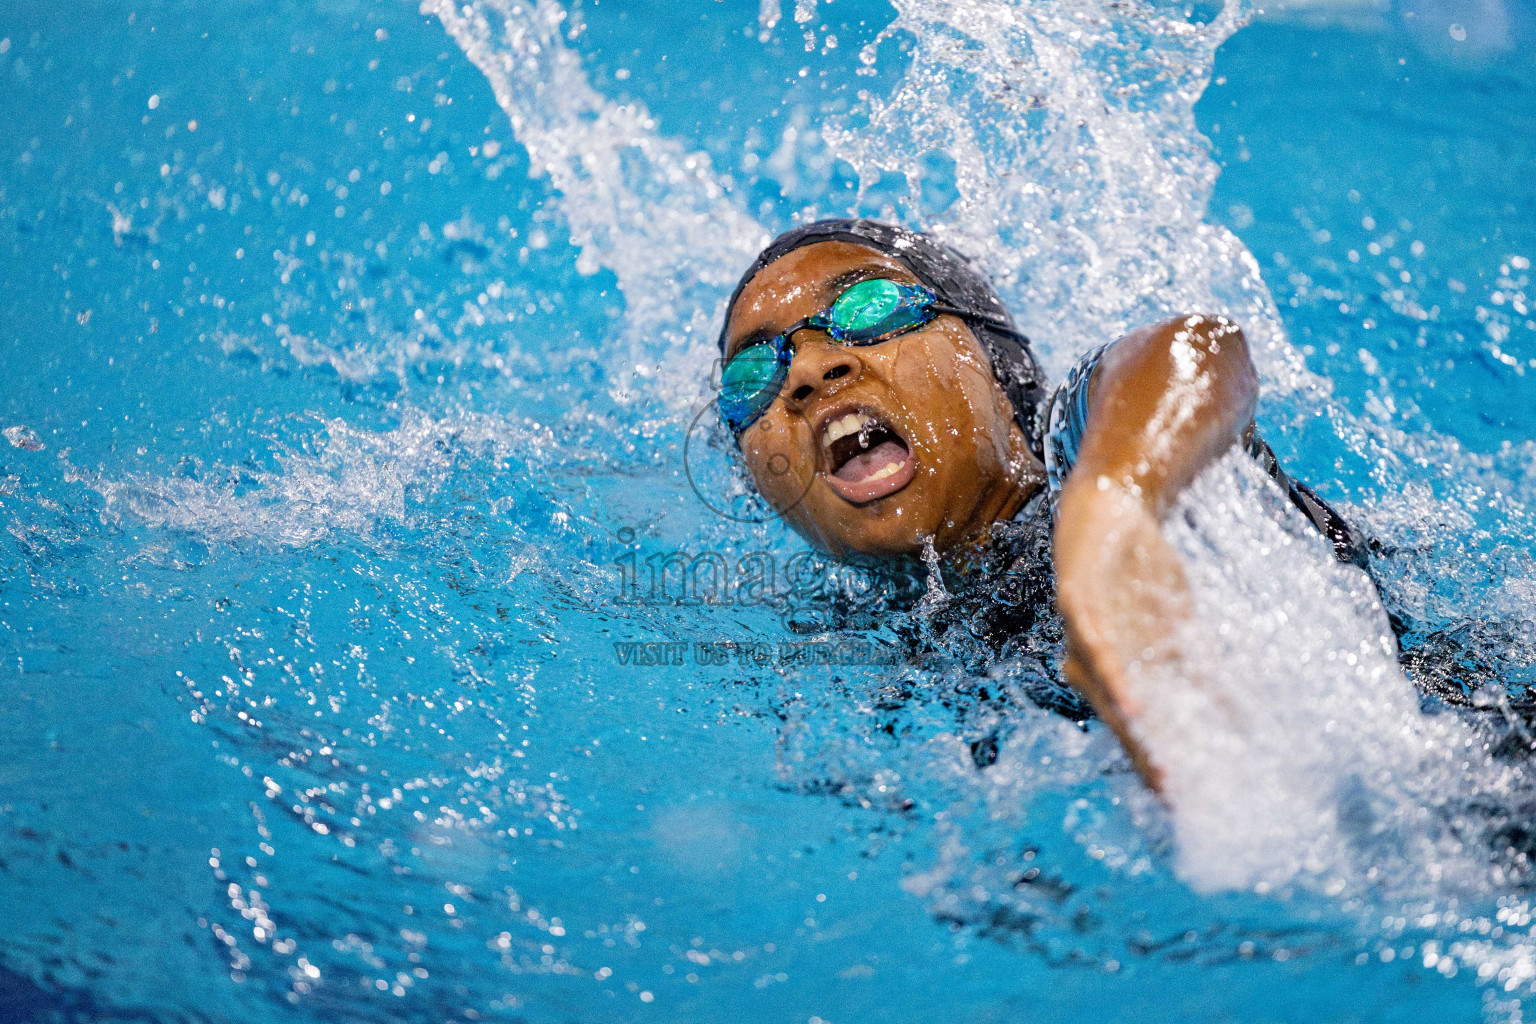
<point>636,202</point>
<point>345,481</point>
<point>1295,750</point>
<point>769,13</point>
<point>1082,179</point>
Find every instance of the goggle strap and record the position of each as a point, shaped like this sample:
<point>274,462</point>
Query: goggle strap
<point>982,318</point>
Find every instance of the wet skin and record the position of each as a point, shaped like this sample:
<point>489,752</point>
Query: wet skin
<point>967,463</point>
<point>1164,402</point>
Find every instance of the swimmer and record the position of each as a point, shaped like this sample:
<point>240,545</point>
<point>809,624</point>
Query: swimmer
<point>884,403</point>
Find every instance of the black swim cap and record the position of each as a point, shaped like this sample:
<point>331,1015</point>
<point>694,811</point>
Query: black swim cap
<point>953,278</point>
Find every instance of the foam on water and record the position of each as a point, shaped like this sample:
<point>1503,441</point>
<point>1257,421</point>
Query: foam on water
<point>344,480</point>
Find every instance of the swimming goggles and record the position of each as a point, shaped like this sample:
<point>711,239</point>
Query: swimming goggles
<point>866,314</point>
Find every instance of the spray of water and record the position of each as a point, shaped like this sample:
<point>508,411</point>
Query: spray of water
<point>1296,749</point>
<point>359,483</point>
<point>636,202</point>
<point>1297,755</point>
<point>1082,180</point>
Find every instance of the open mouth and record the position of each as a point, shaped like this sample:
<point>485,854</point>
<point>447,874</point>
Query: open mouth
<point>867,458</point>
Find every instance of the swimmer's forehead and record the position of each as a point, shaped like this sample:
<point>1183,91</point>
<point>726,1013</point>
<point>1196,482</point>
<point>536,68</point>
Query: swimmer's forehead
<point>801,282</point>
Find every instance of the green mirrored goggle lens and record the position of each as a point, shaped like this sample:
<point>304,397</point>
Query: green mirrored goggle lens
<point>876,309</point>
<point>865,305</point>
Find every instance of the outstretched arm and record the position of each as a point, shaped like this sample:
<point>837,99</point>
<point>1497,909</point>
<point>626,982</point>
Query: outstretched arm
<point>1164,403</point>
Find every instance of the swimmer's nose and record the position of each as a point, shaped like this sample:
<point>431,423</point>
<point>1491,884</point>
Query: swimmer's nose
<point>818,368</point>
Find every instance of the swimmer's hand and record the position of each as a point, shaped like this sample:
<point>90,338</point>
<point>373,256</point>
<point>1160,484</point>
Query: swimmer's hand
<point>1163,404</point>
<point>1121,591</point>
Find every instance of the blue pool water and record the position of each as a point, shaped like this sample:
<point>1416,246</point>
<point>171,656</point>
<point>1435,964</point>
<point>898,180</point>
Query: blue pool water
<point>350,353</point>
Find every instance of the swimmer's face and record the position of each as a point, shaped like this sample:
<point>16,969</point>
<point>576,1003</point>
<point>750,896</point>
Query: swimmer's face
<point>870,449</point>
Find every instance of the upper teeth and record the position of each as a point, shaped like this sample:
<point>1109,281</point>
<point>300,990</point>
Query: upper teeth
<point>843,426</point>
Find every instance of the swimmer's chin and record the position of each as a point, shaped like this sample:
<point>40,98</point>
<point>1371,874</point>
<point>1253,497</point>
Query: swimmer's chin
<point>882,530</point>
